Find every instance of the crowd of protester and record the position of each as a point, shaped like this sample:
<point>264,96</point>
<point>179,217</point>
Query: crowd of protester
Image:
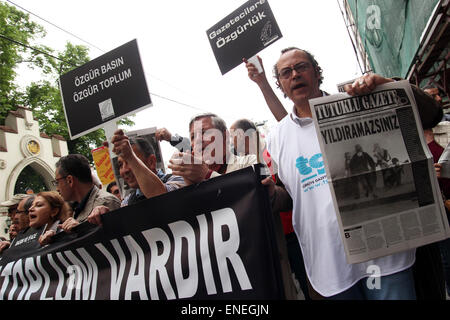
<point>309,228</point>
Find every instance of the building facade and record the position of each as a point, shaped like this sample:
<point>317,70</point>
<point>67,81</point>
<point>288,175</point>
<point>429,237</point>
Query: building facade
<point>24,147</point>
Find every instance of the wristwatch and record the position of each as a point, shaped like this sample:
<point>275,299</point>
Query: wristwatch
<point>175,139</point>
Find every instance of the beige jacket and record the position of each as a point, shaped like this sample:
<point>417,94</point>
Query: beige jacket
<point>98,197</point>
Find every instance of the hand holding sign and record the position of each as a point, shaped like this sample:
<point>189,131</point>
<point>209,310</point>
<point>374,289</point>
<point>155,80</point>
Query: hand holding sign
<point>163,134</point>
<point>122,145</point>
<point>256,74</point>
<point>4,245</point>
<point>46,238</point>
<point>256,61</point>
<point>69,224</point>
<point>95,216</point>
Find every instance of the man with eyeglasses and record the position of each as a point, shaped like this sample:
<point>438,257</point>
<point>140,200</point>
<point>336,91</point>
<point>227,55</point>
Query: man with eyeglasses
<point>294,146</point>
<point>19,219</point>
<point>13,203</point>
<point>73,180</point>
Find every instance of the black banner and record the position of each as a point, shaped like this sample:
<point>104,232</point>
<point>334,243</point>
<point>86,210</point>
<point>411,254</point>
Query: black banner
<point>107,88</point>
<point>243,33</point>
<point>214,240</point>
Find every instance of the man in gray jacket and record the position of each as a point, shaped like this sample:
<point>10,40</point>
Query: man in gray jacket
<point>73,180</point>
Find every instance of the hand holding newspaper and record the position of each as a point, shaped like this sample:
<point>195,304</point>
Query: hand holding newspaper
<point>380,171</point>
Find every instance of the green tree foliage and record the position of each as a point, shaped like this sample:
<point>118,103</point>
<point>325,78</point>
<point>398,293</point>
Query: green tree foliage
<point>43,97</point>
<point>14,25</point>
<point>29,179</point>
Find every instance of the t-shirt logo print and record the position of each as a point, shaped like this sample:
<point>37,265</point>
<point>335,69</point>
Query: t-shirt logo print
<point>310,168</point>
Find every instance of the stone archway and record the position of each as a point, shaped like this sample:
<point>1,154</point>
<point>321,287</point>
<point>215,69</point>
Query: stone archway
<point>23,145</point>
<point>38,165</point>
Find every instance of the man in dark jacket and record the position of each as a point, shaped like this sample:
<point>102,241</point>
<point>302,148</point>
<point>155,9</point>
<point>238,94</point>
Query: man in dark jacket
<point>361,164</point>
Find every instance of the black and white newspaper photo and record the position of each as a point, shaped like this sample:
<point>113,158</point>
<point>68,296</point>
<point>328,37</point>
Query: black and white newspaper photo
<point>149,135</point>
<point>380,171</point>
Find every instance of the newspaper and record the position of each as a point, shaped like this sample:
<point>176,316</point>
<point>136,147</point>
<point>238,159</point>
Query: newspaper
<point>340,86</point>
<point>444,161</point>
<point>149,135</point>
<point>380,172</point>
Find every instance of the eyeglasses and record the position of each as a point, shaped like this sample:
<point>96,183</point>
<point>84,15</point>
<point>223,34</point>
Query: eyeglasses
<point>56,181</point>
<point>22,211</point>
<point>285,73</point>
<point>116,191</point>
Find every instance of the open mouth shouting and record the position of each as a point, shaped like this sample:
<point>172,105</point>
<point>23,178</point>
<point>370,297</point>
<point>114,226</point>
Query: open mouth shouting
<point>298,86</point>
<point>32,216</point>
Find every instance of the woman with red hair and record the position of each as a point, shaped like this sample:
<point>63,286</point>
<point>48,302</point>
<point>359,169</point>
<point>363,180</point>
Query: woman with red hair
<point>48,211</point>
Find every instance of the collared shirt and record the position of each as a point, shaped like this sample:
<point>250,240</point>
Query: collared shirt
<point>302,122</point>
<point>237,162</point>
<point>133,197</point>
<point>171,183</point>
<point>78,207</point>
<point>305,120</point>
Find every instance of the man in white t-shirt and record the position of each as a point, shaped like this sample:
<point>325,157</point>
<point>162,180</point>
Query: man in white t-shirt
<point>294,146</point>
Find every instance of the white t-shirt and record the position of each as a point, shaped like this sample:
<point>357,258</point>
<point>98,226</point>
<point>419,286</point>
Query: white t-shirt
<point>294,147</point>
<point>237,162</point>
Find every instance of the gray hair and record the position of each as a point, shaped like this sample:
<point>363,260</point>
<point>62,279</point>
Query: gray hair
<point>245,125</point>
<point>143,145</point>
<point>217,122</point>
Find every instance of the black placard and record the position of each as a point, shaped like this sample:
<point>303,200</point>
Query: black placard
<point>107,88</point>
<point>243,33</point>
